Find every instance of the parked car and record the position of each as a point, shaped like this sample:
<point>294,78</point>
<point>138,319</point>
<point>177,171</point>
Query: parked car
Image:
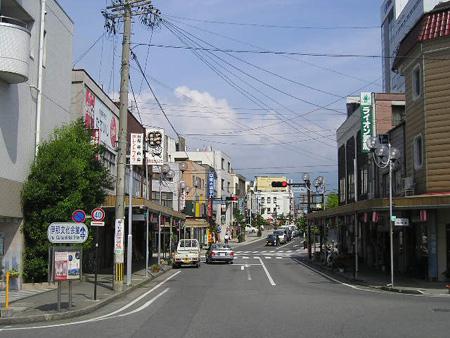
<point>187,253</point>
<point>271,240</point>
<point>250,229</point>
<point>295,233</point>
<point>282,237</point>
<point>219,252</point>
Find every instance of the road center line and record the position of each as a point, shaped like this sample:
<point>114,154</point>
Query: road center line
<point>266,271</point>
<point>249,277</point>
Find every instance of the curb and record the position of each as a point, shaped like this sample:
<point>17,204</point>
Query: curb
<point>80,312</point>
<point>359,282</point>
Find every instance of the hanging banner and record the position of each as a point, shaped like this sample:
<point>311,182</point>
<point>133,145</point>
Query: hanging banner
<point>136,148</point>
<point>367,120</point>
<point>98,116</point>
<point>155,139</point>
<point>118,240</point>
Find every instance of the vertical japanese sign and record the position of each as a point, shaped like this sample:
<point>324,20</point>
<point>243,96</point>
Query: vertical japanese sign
<point>367,119</point>
<point>136,148</point>
<point>211,184</point>
<point>118,240</point>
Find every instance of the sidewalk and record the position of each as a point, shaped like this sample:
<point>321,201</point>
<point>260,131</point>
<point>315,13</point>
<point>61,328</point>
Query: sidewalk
<point>381,280</point>
<point>42,306</point>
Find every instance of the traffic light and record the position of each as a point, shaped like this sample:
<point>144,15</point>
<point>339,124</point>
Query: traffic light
<point>279,184</point>
<point>233,198</point>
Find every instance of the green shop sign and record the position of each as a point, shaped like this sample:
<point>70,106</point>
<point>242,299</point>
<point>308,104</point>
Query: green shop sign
<point>366,119</point>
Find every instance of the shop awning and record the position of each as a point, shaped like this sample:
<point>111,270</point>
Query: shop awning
<point>430,201</point>
<point>196,223</point>
<point>139,202</point>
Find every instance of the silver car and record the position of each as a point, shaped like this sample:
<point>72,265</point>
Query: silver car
<point>219,252</point>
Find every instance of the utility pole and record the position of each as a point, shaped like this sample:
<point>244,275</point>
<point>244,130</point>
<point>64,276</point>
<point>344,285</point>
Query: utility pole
<point>308,210</point>
<point>125,9</point>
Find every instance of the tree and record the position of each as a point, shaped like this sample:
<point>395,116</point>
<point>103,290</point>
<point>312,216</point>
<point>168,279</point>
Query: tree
<point>66,175</point>
<point>332,200</point>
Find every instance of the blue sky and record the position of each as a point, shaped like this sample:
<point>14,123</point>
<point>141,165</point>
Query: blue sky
<point>201,103</point>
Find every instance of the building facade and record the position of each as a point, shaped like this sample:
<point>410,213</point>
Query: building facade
<point>272,202</point>
<point>35,94</point>
<point>397,19</point>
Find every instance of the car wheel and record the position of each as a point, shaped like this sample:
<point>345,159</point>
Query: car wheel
<point>231,262</point>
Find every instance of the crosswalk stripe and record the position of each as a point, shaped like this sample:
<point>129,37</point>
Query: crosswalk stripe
<point>245,257</point>
<point>279,257</point>
<point>268,257</point>
<point>281,251</point>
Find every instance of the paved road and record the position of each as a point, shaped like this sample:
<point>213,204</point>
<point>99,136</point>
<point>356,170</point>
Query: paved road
<point>265,293</point>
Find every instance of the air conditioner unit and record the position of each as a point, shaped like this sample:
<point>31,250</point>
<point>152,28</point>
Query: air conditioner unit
<point>409,186</point>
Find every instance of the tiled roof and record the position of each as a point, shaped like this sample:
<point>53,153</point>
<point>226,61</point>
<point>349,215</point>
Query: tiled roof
<point>433,25</point>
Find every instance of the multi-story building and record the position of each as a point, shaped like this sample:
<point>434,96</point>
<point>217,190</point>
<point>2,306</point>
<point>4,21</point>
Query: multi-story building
<point>221,163</point>
<point>35,93</point>
<point>397,19</point>
<point>272,202</point>
<point>421,175</point>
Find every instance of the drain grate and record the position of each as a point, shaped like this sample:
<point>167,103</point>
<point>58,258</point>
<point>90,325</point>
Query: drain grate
<point>441,310</point>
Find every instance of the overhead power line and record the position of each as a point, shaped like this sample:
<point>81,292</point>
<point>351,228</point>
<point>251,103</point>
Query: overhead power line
<point>281,52</point>
<point>250,24</point>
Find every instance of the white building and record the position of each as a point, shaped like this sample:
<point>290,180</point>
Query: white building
<point>221,163</point>
<point>22,32</point>
<point>397,19</point>
<point>272,202</point>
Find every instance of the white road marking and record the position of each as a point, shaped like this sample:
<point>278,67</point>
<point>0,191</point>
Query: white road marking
<point>272,251</point>
<point>289,251</point>
<point>249,277</point>
<point>245,257</point>
<point>267,257</point>
<point>256,257</point>
<point>246,265</point>
<point>242,268</point>
<point>105,317</point>
<point>269,277</point>
<point>284,245</point>
<point>279,257</point>
<point>280,251</point>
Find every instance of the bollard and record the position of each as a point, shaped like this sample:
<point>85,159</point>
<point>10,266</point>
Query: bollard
<point>7,291</point>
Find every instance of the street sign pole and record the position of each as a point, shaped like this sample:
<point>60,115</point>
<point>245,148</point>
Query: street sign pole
<point>96,263</point>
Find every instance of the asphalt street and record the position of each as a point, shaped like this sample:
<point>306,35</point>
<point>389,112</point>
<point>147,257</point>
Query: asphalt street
<point>267,292</point>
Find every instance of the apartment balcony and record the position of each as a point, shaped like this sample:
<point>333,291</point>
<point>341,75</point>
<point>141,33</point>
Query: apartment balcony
<point>14,50</point>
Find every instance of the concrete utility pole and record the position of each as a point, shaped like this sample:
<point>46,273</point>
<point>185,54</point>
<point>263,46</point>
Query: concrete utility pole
<point>125,9</point>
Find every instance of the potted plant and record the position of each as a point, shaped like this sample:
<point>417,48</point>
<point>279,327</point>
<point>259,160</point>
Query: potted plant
<point>14,279</point>
<point>155,268</point>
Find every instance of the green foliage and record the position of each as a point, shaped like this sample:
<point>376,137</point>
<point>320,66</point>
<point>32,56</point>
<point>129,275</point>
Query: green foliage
<point>65,176</point>
<point>301,224</point>
<point>332,201</point>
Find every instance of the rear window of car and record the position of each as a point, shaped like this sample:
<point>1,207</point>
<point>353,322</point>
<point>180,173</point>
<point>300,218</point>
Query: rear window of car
<point>188,243</point>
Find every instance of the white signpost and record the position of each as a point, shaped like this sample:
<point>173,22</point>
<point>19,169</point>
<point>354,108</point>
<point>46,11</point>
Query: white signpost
<point>67,232</point>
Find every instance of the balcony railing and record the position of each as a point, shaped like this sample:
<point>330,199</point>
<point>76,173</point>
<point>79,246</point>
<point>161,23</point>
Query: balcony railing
<point>14,50</point>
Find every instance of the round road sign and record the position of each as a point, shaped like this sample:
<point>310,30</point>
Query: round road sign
<point>98,214</point>
<point>78,216</point>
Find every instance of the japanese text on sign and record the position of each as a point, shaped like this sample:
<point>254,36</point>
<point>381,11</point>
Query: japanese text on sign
<point>136,149</point>
<point>67,232</point>
<point>366,119</point>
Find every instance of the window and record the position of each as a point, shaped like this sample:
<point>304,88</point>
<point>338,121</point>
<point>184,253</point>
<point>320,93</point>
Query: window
<point>416,82</point>
<point>223,163</point>
<point>275,200</point>
<point>398,115</point>
<point>418,152</point>
<point>223,184</point>
<point>268,199</point>
<point>229,167</point>
<point>262,199</point>
<point>228,186</point>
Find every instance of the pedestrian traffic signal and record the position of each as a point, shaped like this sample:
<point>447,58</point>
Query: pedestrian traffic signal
<point>279,184</point>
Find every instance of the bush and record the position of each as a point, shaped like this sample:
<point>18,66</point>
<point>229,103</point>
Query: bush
<point>155,268</point>
<point>66,175</point>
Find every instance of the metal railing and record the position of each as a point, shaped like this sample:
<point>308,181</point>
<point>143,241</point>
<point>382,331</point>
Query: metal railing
<point>14,21</point>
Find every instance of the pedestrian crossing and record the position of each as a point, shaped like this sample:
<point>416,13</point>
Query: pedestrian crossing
<point>267,254</point>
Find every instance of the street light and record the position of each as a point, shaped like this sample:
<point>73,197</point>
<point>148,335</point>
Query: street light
<point>385,156</point>
<point>319,187</point>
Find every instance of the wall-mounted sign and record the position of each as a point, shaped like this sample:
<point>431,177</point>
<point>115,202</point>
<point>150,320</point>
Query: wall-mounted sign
<point>211,184</point>
<point>136,148</point>
<point>156,146</point>
<point>66,232</point>
<point>401,222</point>
<point>367,119</point>
<point>98,116</point>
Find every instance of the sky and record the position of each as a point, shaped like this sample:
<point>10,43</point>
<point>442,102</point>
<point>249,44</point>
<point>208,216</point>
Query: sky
<point>273,113</point>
